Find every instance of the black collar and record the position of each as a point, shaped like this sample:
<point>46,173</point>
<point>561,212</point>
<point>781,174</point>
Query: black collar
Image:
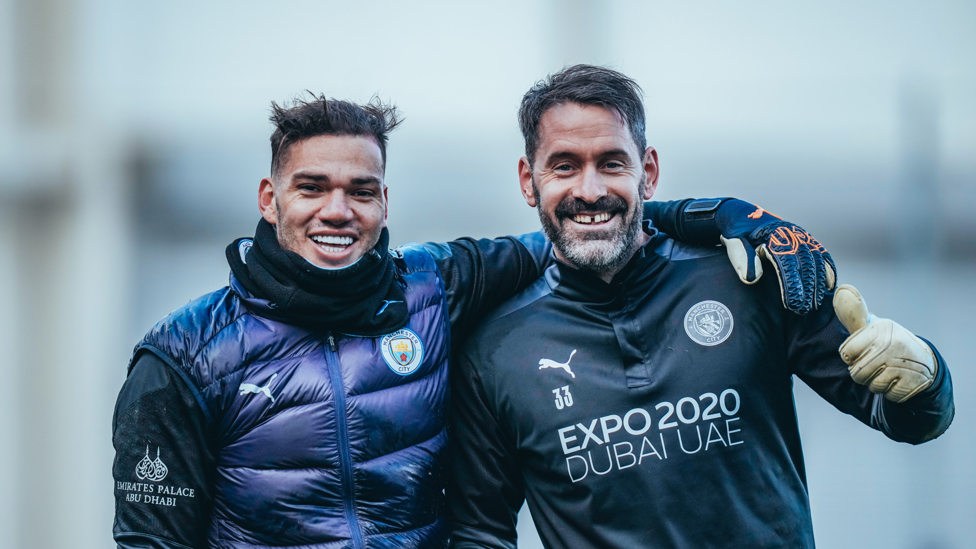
<point>365,298</point>
<point>585,286</point>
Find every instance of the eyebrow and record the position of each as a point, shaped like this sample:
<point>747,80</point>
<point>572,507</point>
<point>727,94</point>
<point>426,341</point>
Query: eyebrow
<point>615,152</point>
<point>368,180</point>
<point>312,177</point>
<point>317,177</point>
<point>557,156</point>
<point>563,155</point>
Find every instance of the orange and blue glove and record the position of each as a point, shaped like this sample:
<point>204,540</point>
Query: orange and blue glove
<point>805,270</point>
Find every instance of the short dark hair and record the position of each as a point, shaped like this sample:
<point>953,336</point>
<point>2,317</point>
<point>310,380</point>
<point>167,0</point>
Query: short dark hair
<point>586,85</point>
<point>305,118</point>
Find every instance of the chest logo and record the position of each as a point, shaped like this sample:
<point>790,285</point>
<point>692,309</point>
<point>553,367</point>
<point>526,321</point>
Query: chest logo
<point>246,388</point>
<point>708,323</point>
<point>154,470</point>
<point>403,351</point>
<point>548,363</point>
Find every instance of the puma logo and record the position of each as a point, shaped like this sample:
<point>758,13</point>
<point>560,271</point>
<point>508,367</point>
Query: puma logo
<point>252,388</point>
<point>759,213</point>
<point>547,363</point>
<point>386,303</point>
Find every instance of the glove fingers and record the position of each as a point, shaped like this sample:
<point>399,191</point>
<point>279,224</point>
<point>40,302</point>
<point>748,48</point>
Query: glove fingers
<point>850,308</point>
<point>863,350</point>
<point>889,359</point>
<point>898,381</point>
<point>788,267</point>
<point>820,278</point>
<point>743,258</point>
<point>805,269</point>
<point>763,253</point>
<point>808,278</point>
<point>885,342</point>
<point>831,270</point>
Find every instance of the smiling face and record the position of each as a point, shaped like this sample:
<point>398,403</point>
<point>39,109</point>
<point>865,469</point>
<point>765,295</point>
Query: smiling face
<point>328,200</point>
<point>588,184</point>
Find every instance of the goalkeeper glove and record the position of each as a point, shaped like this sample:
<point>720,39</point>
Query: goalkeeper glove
<point>881,354</point>
<point>805,270</point>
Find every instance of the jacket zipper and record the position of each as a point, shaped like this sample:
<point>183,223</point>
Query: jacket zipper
<point>345,459</point>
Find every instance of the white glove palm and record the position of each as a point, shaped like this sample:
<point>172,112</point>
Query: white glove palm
<point>880,353</point>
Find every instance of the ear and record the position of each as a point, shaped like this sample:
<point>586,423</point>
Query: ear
<point>266,201</point>
<point>525,181</point>
<point>386,205</point>
<point>651,172</point>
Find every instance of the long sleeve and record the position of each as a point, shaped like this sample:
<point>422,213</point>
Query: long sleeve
<point>699,228</point>
<point>481,274</point>
<point>164,461</point>
<point>486,490</point>
<point>813,343</point>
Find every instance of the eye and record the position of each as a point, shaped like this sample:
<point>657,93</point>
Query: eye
<point>364,193</point>
<point>613,165</point>
<point>564,168</point>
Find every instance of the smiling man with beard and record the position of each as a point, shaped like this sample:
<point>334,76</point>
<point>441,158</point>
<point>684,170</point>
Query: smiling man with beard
<point>593,205</point>
<point>638,395</point>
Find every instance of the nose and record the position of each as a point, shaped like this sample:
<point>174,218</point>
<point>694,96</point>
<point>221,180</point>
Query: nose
<point>335,209</point>
<point>591,186</point>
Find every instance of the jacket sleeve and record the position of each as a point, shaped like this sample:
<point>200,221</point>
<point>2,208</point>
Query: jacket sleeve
<point>700,228</point>
<point>164,461</point>
<point>812,346</point>
<point>485,492</point>
<point>480,274</point>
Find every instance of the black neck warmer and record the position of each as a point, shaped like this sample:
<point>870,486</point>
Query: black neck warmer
<point>364,298</point>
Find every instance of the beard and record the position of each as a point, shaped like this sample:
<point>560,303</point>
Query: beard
<point>604,251</point>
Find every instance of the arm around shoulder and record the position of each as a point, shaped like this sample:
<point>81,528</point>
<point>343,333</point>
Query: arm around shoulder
<point>479,274</point>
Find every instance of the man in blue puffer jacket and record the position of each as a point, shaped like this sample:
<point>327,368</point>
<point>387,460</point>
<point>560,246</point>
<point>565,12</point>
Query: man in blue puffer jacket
<point>303,405</point>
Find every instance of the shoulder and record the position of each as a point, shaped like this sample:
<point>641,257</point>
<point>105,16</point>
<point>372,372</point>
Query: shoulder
<point>420,276</point>
<point>522,301</point>
<point>413,258</point>
<point>509,315</point>
<point>182,334</point>
<point>201,318</point>
<point>674,250</point>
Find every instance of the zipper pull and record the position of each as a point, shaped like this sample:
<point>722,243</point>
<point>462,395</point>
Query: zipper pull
<point>332,343</point>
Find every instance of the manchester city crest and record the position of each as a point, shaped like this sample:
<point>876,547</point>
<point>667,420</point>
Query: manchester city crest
<point>403,351</point>
<point>708,323</point>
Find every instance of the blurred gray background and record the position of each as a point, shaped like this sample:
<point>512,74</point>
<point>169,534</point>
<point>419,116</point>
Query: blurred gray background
<point>133,136</point>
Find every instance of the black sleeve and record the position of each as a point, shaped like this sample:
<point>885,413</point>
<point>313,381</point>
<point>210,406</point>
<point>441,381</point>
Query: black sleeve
<point>697,227</point>
<point>164,461</point>
<point>481,274</point>
<point>813,343</point>
<point>486,491</point>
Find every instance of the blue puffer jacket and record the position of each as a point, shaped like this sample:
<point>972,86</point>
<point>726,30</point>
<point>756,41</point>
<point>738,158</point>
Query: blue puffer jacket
<point>324,440</point>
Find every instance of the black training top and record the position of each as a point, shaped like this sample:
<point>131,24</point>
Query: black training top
<point>654,411</point>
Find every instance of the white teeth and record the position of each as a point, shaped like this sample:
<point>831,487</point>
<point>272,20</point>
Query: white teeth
<point>586,219</point>
<point>334,240</point>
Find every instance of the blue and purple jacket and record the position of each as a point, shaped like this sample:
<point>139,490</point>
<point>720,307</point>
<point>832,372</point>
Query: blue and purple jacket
<point>235,430</point>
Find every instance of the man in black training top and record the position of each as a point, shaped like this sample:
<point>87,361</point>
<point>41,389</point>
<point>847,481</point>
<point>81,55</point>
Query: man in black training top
<point>638,395</point>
